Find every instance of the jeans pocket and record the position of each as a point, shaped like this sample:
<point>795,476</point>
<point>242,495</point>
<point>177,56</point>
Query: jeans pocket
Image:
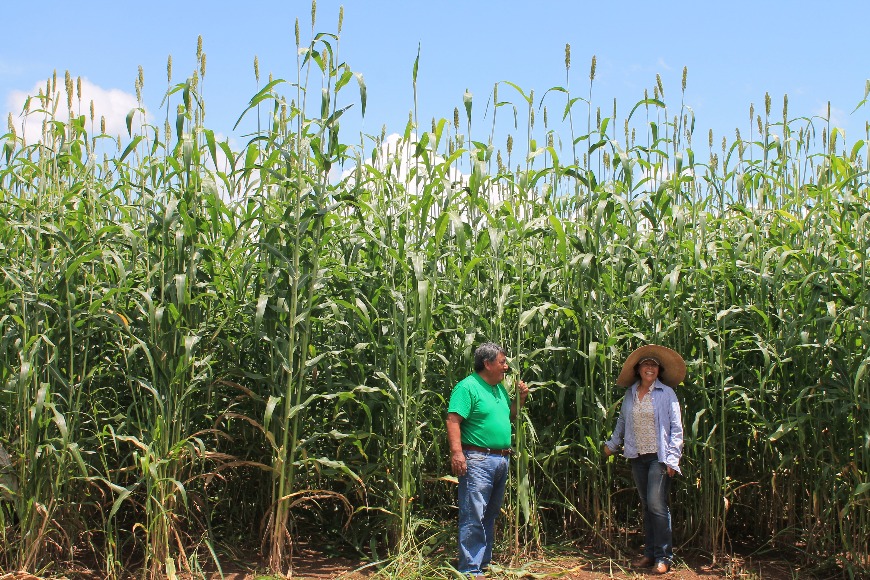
<point>474,458</point>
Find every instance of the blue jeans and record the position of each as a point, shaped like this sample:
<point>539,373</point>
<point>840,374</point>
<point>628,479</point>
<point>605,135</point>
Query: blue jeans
<point>653,484</point>
<point>481,492</point>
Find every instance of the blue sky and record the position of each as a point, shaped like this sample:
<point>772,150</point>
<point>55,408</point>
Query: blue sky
<point>735,51</point>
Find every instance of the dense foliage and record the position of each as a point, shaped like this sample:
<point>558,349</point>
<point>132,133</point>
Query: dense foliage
<point>206,350</point>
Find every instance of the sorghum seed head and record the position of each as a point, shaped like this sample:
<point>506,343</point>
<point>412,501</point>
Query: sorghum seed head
<point>198,47</point>
<point>297,33</point>
<point>68,85</point>
<point>313,12</point>
<point>169,69</point>
<point>685,74</point>
<point>456,118</point>
<point>660,85</point>
<point>92,110</point>
<point>340,18</point>
<point>710,139</point>
<point>785,106</point>
<point>102,125</point>
<point>567,56</point>
<point>202,66</point>
<point>766,104</point>
<point>256,68</point>
<point>510,144</point>
<point>592,68</point>
<point>760,126</point>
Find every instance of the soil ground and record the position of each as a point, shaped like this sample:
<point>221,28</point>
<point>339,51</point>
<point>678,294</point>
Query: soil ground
<point>572,563</point>
<point>310,565</point>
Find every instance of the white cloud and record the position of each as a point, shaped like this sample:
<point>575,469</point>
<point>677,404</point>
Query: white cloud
<point>396,158</point>
<point>113,104</point>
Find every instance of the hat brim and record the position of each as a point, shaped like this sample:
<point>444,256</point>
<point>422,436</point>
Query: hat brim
<point>673,364</point>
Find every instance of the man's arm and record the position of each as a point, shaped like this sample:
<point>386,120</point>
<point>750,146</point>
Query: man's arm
<point>454,440</point>
<point>522,395</point>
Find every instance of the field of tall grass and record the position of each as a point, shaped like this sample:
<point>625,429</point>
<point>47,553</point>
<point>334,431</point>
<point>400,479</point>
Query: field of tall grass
<point>207,351</point>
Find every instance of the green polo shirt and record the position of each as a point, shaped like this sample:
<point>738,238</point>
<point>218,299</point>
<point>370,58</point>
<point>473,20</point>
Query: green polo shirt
<point>485,410</point>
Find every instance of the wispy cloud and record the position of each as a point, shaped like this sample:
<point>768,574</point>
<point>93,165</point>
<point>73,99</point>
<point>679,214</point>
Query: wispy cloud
<point>662,64</point>
<point>838,116</point>
<point>10,68</point>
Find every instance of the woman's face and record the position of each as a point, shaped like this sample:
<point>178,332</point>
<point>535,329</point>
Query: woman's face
<point>648,370</point>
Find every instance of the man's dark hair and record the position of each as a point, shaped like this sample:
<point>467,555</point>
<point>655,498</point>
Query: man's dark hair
<point>486,352</point>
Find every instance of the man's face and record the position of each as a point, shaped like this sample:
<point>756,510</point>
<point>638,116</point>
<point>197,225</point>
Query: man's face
<point>498,367</point>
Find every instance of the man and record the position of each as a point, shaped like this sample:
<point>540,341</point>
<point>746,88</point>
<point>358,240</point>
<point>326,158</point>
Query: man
<point>479,433</point>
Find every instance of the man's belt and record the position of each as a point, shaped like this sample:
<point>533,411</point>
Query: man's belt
<point>487,450</point>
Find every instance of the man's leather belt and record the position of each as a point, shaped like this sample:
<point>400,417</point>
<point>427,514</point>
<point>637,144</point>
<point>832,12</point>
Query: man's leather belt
<point>502,452</point>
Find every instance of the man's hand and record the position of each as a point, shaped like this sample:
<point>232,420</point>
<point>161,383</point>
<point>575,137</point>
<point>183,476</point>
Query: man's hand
<point>606,450</point>
<point>457,463</point>
<point>522,392</point>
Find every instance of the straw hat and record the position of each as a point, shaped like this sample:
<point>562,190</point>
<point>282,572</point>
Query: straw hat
<point>673,364</point>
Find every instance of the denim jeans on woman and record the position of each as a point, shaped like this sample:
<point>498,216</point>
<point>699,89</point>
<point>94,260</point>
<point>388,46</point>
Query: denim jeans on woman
<point>653,485</point>
<point>481,492</point>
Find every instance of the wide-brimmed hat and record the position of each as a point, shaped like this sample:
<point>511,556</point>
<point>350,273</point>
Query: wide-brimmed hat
<point>673,364</point>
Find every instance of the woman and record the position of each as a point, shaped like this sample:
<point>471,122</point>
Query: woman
<point>651,427</point>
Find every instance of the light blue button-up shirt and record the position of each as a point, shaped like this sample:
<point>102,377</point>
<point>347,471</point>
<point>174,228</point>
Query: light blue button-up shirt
<point>668,421</point>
